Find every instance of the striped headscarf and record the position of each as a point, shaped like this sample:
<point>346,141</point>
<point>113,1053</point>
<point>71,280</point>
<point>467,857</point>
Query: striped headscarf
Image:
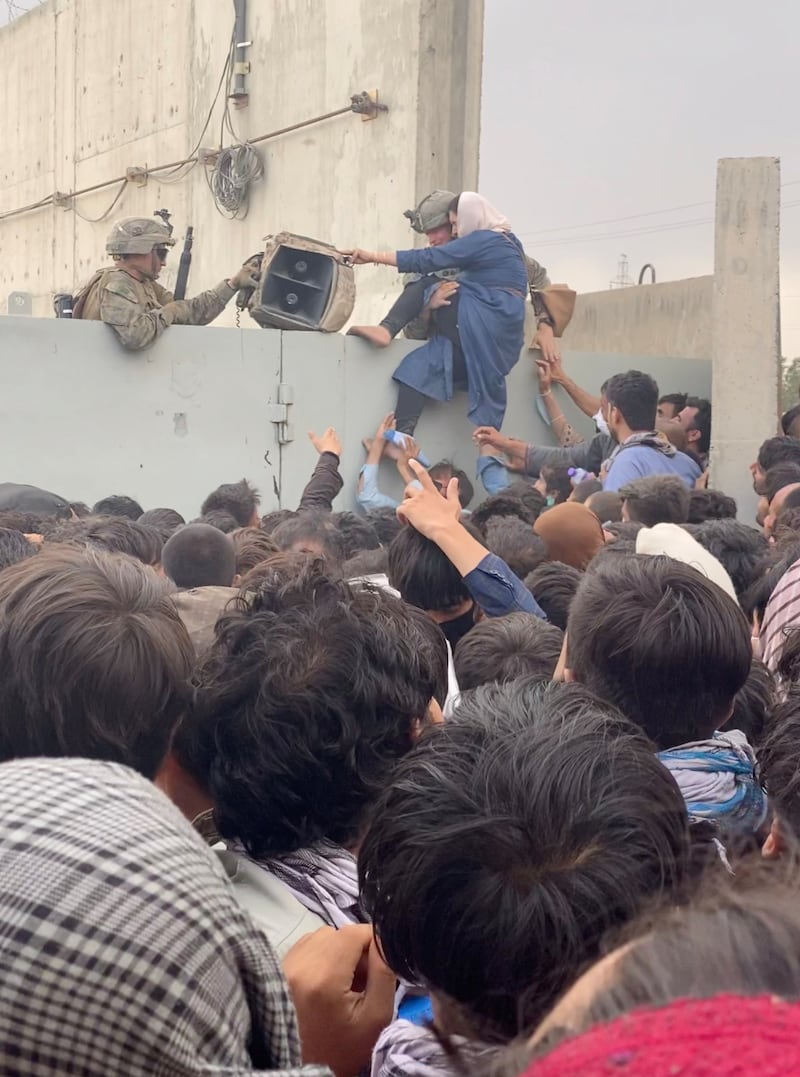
<point>122,948</point>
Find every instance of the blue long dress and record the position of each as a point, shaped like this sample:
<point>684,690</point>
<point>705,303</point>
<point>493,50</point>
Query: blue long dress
<point>491,318</point>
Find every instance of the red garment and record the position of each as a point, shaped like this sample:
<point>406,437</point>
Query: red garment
<point>726,1036</point>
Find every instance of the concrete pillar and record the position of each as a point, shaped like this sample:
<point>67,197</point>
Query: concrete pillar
<point>745,334</point>
<point>449,95</point>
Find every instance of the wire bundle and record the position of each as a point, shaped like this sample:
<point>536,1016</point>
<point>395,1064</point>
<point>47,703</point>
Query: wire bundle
<point>236,168</point>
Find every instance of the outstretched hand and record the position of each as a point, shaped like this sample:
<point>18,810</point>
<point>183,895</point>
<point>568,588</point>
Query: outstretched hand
<point>425,508</point>
<point>545,376</point>
<point>488,435</point>
<point>343,994</point>
<point>327,442</point>
<point>247,277</point>
<point>358,257</point>
<point>386,423</point>
<point>545,341</point>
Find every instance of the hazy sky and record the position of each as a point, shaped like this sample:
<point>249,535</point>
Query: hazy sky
<point>596,111</point>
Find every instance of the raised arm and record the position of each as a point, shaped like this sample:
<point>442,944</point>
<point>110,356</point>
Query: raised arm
<point>490,581</point>
<point>589,404</point>
<point>454,255</point>
<point>558,422</point>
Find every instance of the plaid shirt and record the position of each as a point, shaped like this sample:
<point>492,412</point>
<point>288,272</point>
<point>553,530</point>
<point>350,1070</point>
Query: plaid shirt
<point>122,947</point>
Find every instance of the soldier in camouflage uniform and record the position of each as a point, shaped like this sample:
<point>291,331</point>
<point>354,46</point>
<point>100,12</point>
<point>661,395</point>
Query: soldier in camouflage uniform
<point>410,313</point>
<point>127,297</point>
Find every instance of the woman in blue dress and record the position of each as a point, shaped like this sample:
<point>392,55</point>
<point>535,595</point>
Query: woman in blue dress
<point>479,335</point>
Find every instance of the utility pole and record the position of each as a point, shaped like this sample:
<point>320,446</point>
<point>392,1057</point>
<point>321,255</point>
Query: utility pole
<point>623,277</point>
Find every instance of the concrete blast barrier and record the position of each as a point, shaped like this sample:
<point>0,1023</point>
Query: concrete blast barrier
<point>81,416</point>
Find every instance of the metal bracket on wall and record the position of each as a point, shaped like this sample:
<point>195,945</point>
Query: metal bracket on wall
<point>278,414</point>
<point>367,105</point>
<point>136,176</point>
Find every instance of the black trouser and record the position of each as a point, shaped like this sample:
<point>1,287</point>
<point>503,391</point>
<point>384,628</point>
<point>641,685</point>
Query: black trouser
<point>407,307</point>
<point>410,402</point>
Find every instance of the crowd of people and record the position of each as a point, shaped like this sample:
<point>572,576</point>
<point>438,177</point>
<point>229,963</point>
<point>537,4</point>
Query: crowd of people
<point>433,787</point>
<point>412,788</point>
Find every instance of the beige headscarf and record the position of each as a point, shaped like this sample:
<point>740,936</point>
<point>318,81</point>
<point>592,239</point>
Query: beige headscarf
<point>571,533</point>
<point>476,214</point>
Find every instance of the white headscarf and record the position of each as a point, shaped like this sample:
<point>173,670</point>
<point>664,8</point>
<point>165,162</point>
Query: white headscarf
<point>672,541</point>
<point>476,214</point>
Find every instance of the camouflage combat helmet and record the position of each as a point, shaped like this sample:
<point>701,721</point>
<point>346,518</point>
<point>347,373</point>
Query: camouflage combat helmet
<point>431,212</point>
<point>138,235</point>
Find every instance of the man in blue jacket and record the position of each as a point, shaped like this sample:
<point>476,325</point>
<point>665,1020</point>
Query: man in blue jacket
<point>631,404</point>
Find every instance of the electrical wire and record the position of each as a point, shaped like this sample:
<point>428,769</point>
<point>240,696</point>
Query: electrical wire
<point>102,217</point>
<point>645,231</point>
<point>633,216</point>
<point>192,159</point>
<point>229,181</point>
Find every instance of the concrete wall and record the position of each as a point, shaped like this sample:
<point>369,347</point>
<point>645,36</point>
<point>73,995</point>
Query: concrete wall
<point>91,88</point>
<point>81,416</point>
<point>650,319</point>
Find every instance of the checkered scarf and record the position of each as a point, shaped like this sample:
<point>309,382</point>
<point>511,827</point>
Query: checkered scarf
<point>324,879</point>
<point>122,947</point>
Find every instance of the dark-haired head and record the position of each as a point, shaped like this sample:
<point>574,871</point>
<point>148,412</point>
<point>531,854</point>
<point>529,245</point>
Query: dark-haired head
<point>386,524</point>
<point>443,472</point>
<point>367,563</point>
<point>14,547</point>
<point>220,519</point>
<point>96,660</point>
<point>740,549</point>
<point>199,556</point>
<point>500,649</point>
<point>424,576</point>
<point>304,706</point>
<point>555,484</point>
<point>710,505</point>
<point>271,520</point>
<point>671,405</point>
<point>553,585</point>
<point>509,842</point>
<point>695,418</point>
<point>112,534</point>
<point>632,402</point>
<point>28,523</point>
<point>582,491</point>
<point>773,451</point>
<point>753,705</point>
<point>240,499</point>
<point>165,521</point>
<point>790,422</point>
<point>661,642</point>
<point>251,546</point>
<point>606,505</point>
<point>312,533</point>
<point>779,765</point>
<point>356,533</point>
<point>655,499</point>
<point>513,540</point>
<point>738,936</point>
<point>526,492</point>
<point>508,504</point>
<point>779,476</point>
<point>118,505</point>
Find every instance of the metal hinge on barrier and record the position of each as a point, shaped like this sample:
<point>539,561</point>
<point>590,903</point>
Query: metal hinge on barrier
<point>278,414</point>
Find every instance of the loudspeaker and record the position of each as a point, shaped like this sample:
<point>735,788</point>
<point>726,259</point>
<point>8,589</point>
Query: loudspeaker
<point>303,285</point>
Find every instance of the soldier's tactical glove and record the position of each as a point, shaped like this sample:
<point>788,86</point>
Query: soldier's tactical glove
<point>247,277</point>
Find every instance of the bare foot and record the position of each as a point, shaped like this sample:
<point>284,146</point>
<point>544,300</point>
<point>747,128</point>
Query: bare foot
<point>375,334</point>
